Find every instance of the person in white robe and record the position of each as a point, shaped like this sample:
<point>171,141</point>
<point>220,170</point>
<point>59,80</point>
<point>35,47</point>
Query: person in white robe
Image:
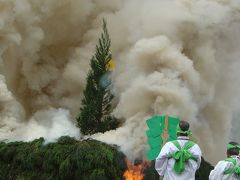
<point>179,159</point>
<point>228,168</point>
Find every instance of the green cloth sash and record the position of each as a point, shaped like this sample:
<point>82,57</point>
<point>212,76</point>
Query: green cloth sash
<point>230,146</point>
<point>182,156</point>
<point>233,170</point>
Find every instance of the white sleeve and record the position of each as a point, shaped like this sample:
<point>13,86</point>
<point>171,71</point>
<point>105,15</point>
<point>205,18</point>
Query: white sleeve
<point>162,159</point>
<point>217,172</point>
<point>196,152</point>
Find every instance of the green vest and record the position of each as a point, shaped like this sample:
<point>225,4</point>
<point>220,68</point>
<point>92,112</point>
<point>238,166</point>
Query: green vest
<point>182,156</point>
<point>235,169</point>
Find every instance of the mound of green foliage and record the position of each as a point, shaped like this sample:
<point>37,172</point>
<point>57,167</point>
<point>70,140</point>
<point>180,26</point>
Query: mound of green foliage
<point>65,159</point>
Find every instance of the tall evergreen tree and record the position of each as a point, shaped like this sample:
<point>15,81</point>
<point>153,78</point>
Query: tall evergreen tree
<point>96,104</point>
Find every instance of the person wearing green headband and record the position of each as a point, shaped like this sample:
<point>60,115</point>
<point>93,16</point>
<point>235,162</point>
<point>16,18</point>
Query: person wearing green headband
<point>181,158</point>
<point>228,168</point>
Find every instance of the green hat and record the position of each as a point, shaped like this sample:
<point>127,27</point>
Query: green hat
<point>230,146</point>
<point>179,130</point>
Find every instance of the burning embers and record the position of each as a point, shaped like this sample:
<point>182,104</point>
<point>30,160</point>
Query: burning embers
<point>135,170</point>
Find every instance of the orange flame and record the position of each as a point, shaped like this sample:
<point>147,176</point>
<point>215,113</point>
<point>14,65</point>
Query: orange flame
<point>135,172</point>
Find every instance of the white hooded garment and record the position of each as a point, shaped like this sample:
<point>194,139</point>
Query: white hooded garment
<point>164,165</point>
<point>218,171</point>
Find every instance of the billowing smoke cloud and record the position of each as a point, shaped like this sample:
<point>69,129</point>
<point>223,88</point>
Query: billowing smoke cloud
<point>175,57</point>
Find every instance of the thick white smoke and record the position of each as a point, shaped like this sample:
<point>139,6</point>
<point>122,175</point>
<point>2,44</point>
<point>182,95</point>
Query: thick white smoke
<point>172,56</point>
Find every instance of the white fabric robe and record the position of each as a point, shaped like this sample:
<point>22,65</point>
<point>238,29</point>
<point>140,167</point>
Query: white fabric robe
<point>164,166</point>
<point>217,172</point>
